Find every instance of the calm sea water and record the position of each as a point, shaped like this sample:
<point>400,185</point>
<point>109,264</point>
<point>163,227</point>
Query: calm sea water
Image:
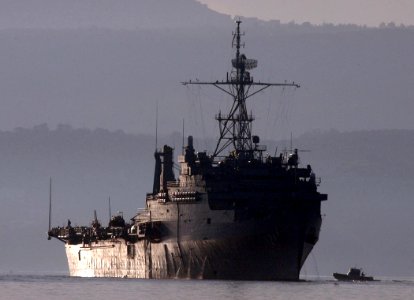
<point>63,287</point>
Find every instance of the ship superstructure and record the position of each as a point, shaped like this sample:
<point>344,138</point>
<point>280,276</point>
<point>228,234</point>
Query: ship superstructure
<point>237,214</point>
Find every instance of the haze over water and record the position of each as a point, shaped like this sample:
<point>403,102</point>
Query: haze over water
<point>15,287</point>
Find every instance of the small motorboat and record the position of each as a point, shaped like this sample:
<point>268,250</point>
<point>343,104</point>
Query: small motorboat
<point>354,274</point>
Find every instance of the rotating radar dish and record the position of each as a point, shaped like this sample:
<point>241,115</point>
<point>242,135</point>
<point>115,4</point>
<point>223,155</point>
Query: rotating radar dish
<point>244,63</point>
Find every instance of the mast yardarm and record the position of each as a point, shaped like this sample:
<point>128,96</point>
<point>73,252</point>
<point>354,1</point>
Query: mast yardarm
<point>236,126</point>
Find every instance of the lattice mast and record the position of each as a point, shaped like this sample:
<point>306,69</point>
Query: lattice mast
<point>236,126</point>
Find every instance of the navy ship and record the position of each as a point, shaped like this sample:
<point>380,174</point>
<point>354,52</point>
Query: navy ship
<point>354,274</point>
<point>235,214</point>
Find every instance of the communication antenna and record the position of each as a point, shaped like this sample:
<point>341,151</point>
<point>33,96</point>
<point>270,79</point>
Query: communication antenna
<point>95,219</point>
<point>156,127</point>
<point>109,208</point>
<point>183,139</point>
<point>50,207</point>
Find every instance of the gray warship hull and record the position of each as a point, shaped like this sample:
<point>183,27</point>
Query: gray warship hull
<point>233,261</point>
<point>271,249</point>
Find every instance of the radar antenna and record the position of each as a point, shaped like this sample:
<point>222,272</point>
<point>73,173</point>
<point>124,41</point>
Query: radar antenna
<point>236,126</point>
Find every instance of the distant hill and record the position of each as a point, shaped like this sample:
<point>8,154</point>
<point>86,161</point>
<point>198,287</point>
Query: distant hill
<point>105,64</point>
<point>367,175</point>
<point>388,153</point>
<point>115,14</point>
<point>133,15</point>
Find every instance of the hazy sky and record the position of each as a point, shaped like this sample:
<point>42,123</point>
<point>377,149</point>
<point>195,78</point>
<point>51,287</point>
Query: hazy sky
<point>363,12</point>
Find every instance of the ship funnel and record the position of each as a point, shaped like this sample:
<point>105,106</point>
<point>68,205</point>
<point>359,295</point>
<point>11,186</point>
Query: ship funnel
<point>167,173</point>
<point>157,173</point>
<point>190,156</point>
<point>163,168</point>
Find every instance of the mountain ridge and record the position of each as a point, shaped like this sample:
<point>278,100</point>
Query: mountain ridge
<point>112,79</point>
<point>143,14</point>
